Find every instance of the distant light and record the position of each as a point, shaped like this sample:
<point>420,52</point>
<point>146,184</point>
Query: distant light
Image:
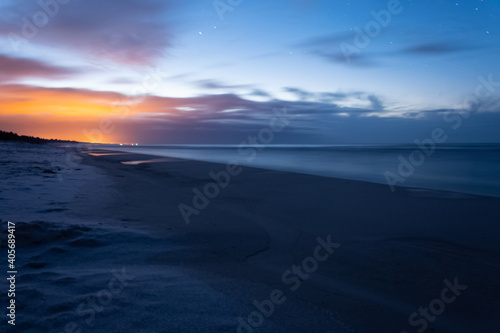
<point>121,144</point>
<point>200,32</point>
<point>136,144</point>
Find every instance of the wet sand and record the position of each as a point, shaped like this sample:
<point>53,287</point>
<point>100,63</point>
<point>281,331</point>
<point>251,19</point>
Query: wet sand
<point>270,251</point>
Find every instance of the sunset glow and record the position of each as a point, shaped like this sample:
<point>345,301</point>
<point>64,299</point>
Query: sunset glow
<point>188,165</point>
<point>172,72</point>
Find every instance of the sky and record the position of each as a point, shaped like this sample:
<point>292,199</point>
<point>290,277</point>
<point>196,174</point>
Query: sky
<point>215,72</point>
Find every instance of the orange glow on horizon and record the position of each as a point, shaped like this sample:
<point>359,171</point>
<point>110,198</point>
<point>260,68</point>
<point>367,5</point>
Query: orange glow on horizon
<point>67,114</point>
<point>20,100</point>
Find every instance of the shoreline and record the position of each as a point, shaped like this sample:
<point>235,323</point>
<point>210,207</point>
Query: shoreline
<point>269,220</point>
<point>272,252</point>
<point>394,166</point>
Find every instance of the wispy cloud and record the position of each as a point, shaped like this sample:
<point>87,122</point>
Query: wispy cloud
<point>300,93</point>
<point>214,84</point>
<point>123,31</point>
<point>12,69</point>
<point>212,118</point>
<point>328,48</point>
<point>438,48</point>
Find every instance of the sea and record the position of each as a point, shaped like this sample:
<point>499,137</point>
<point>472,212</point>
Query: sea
<point>465,168</point>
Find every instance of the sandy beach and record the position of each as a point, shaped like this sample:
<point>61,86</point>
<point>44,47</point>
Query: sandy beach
<point>303,166</point>
<point>271,252</point>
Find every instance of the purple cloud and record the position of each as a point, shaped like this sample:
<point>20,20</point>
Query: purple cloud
<point>12,69</point>
<point>123,31</point>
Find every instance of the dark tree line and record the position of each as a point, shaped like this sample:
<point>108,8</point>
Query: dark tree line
<point>11,136</point>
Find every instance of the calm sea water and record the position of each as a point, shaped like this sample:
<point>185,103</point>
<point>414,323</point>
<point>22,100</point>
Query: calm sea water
<point>473,168</point>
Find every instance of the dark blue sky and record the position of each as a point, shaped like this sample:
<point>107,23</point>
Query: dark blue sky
<point>213,71</point>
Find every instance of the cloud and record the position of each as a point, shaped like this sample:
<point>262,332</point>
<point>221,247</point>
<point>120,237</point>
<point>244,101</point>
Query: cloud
<point>328,97</point>
<point>226,118</point>
<point>491,104</point>
<point>338,98</point>
<point>328,48</point>
<point>365,58</point>
<point>260,93</point>
<point>353,60</point>
<point>437,48</point>
<point>301,94</point>
<point>122,80</point>
<point>213,84</point>
<point>12,69</point>
<point>376,103</point>
<point>220,109</point>
<point>123,31</point>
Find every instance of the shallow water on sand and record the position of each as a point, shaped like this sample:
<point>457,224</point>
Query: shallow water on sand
<point>473,168</point>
